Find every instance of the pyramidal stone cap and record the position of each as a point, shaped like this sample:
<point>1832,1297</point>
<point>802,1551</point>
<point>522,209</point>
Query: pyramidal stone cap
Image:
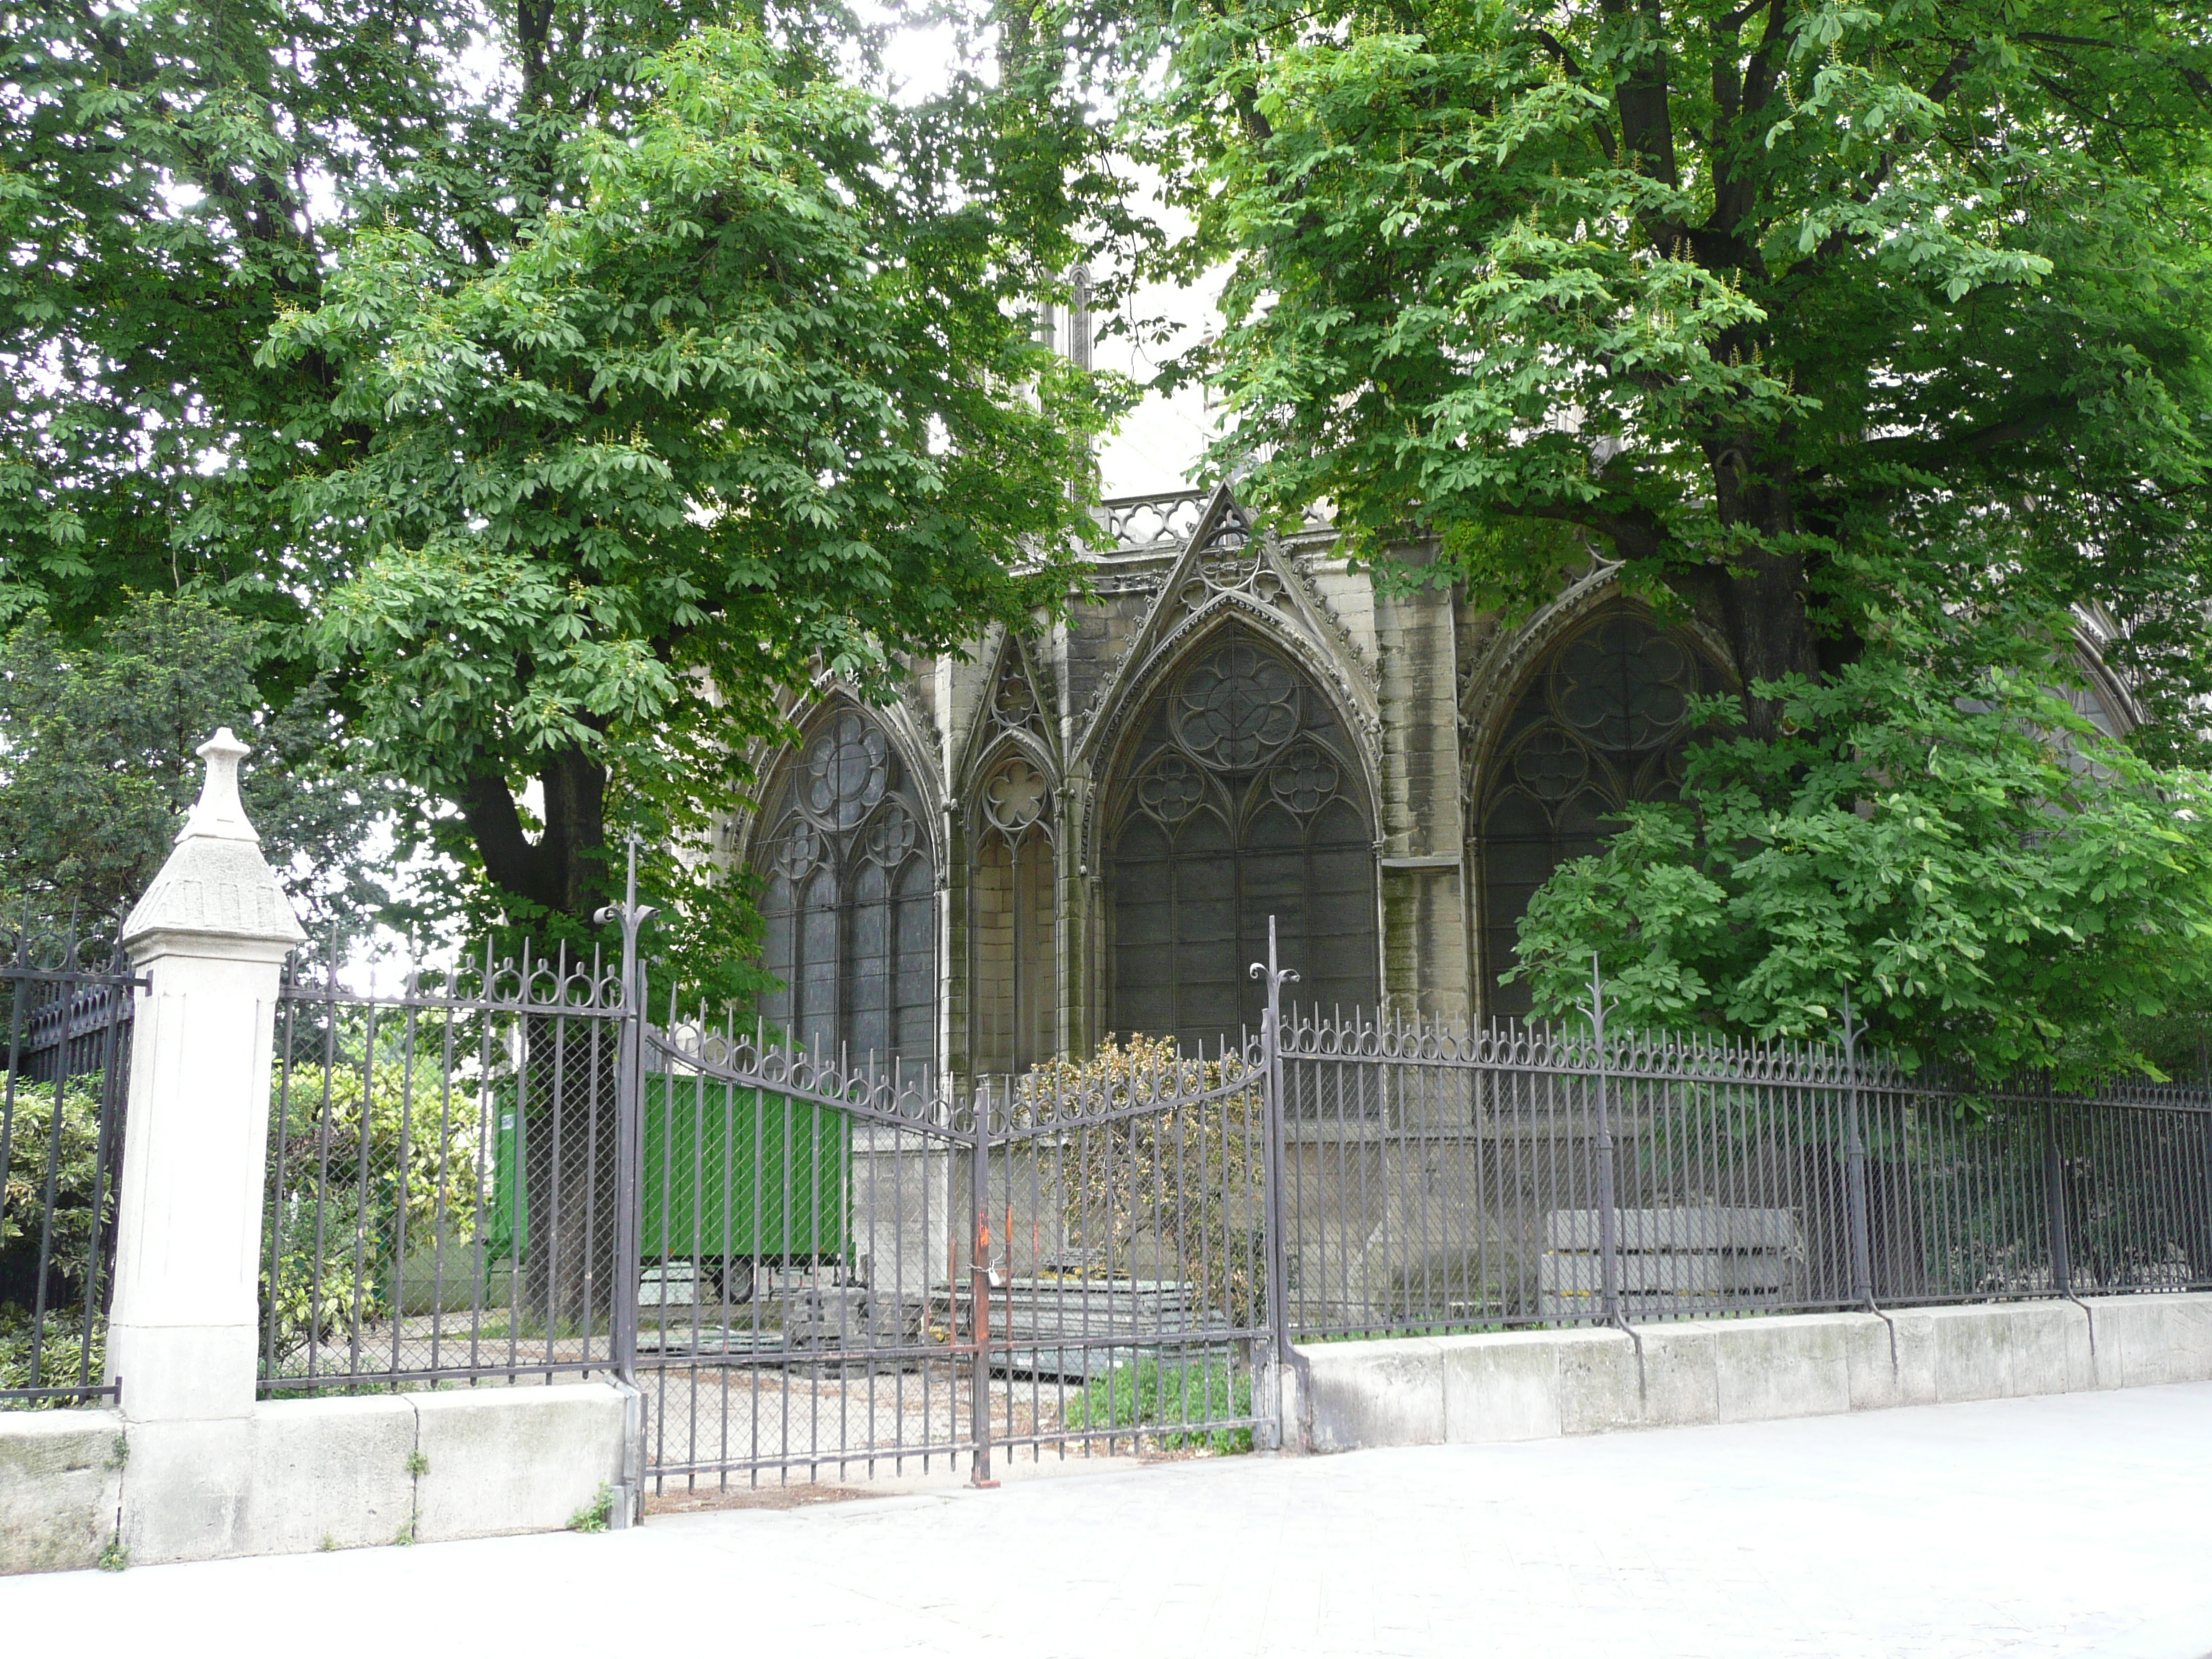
<point>215,883</point>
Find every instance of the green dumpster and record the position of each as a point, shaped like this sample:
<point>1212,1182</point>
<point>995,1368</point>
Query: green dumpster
<point>727,1173</point>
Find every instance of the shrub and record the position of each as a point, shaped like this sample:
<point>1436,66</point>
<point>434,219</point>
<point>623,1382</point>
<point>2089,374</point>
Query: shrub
<point>1186,1175</point>
<point>75,1176</point>
<point>1145,1394</point>
<point>366,1161</point>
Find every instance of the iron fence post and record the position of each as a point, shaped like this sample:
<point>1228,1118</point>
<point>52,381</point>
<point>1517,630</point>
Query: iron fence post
<point>979,1279</point>
<point>1273,1155</point>
<point>2204,1132</point>
<point>1855,1167</point>
<point>2054,1183</point>
<point>629,1190</point>
<point>1608,1222</point>
<point>629,1110</point>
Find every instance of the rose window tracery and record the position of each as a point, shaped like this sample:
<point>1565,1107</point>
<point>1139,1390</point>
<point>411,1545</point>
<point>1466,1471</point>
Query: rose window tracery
<point>845,770</point>
<point>1171,788</point>
<point>1303,779</point>
<point>1241,799</point>
<point>1014,798</point>
<point>1237,706</point>
<point>1601,720</point>
<point>1624,686</point>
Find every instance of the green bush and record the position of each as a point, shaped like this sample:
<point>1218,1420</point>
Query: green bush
<point>76,1222</point>
<point>1145,1394</point>
<point>62,1362</point>
<point>2000,887</point>
<point>356,1178</point>
<point>75,1176</point>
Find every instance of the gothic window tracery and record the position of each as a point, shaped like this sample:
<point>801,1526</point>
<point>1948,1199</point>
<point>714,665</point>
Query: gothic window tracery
<point>1241,798</point>
<point>1016,982</point>
<point>850,905</point>
<point>1604,721</point>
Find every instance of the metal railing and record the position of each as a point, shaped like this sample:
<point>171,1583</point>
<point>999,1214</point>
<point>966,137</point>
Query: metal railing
<point>1439,1179</point>
<point>67,1008</point>
<point>444,1185</point>
<point>806,1263</point>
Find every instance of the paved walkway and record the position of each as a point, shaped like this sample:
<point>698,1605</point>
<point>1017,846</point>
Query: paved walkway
<point>2078,1525</point>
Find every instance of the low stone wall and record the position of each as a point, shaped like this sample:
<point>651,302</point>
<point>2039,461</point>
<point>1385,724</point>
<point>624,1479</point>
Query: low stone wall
<point>1530,1385</point>
<point>304,1474</point>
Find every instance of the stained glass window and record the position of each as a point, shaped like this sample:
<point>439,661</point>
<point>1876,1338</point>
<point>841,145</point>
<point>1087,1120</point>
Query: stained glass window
<point>849,903</point>
<point>1015,986</point>
<point>1604,721</point>
<point>1241,798</point>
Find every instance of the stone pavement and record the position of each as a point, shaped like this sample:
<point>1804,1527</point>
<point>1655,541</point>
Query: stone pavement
<point>2071,1525</point>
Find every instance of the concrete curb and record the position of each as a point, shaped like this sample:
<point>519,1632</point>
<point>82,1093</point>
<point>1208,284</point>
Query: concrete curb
<point>1532,1385</point>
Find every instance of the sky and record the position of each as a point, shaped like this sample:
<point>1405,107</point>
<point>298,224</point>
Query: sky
<point>1162,440</point>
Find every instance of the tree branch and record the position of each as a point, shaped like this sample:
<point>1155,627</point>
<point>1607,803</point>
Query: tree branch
<point>1647,126</point>
<point>510,860</point>
<point>1566,60</point>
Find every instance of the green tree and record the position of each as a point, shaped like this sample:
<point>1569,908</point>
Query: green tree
<point>1754,297</point>
<point>761,403</point>
<point>1878,338</point>
<point>174,182</point>
<point>97,769</point>
<point>1995,884</point>
<point>170,177</point>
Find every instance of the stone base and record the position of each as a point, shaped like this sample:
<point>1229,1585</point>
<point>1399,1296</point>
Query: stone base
<point>304,1474</point>
<point>1530,1385</point>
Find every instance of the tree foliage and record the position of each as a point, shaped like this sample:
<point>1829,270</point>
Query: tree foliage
<point>759,405</point>
<point>265,260</point>
<point>1750,297</point>
<point>1992,882</point>
<point>97,771</point>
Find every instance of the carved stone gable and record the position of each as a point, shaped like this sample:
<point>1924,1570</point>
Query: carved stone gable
<point>1230,567</point>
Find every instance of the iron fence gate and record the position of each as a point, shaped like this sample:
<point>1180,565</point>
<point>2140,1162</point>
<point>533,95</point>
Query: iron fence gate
<point>448,1191</point>
<point>847,1271</point>
<point>801,1219</point>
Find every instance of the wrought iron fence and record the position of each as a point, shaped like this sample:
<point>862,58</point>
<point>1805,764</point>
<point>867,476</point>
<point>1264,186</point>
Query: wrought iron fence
<point>1441,1179</point>
<point>802,1216</point>
<point>67,1011</point>
<point>446,1176</point>
<point>812,1265</point>
<point>850,1271</point>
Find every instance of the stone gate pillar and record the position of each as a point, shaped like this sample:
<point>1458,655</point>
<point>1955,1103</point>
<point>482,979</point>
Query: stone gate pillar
<point>212,935</point>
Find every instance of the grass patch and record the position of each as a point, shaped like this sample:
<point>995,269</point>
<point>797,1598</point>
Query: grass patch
<point>1176,1402</point>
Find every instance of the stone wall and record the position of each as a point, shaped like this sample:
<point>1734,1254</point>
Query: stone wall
<point>1530,1385</point>
<point>79,1487</point>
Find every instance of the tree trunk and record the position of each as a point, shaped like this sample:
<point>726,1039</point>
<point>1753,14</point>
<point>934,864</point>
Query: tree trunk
<point>568,1070</point>
<point>565,869</point>
<point>1756,598</point>
<point>571,1142</point>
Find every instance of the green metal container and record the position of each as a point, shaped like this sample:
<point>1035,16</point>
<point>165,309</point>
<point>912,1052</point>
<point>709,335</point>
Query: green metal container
<point>727,1173</point>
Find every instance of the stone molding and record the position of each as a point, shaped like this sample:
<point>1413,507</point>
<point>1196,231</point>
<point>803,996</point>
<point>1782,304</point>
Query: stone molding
<point>216,884</point>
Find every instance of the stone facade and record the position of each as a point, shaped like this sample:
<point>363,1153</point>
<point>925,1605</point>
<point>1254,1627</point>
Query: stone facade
<point>985,930</point>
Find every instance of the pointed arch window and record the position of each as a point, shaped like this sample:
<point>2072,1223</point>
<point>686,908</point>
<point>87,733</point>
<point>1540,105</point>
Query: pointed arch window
<point>1013,933</point>
<point>1013,938</point>
<point>1241,799</point>
<point>849,900</point>
<point>1602,721</point>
